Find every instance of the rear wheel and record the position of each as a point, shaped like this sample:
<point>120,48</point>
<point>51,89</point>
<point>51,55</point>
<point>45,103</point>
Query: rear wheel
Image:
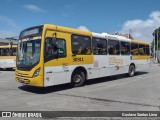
<point>78,78</point>
<point>131,71</point>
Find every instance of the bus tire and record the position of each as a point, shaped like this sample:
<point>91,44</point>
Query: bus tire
<point>131,71</point>
<point>78,78</point>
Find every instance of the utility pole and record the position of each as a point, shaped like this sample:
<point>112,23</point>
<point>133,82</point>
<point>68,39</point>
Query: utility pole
<point>157,45</point>
<point>129,33</point>
<point>154,45</point>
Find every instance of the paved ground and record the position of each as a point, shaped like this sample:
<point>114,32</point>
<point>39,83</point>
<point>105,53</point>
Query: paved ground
<point>118,93</point>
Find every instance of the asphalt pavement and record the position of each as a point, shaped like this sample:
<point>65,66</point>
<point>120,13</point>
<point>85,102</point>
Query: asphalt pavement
<point>114,93</point>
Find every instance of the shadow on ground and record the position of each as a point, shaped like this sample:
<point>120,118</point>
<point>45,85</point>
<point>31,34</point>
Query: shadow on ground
<point>111,78</point>
<point>45,90</point>
<point>7,69</point>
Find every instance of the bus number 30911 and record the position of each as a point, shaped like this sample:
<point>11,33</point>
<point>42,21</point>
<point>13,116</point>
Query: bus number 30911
<point>78,59</point>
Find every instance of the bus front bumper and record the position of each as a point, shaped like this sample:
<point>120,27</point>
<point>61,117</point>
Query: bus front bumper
<point>36,81</point>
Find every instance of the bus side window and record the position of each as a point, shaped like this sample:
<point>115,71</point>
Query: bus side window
<point>113,47</point>
<point>142,49</point>
<point>147,50</point>
<point>134,49</point>
<point>14,52</point>
<point>99,46</point>
<point>4,52</point>
<point>125,48</point>
<point>81,45</point>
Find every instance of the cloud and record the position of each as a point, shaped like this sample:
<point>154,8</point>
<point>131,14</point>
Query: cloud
<point>11,26</point>
<point>34,8</point>
<point>142,29</point>
<point>8,20</point>
<point>83,28</point>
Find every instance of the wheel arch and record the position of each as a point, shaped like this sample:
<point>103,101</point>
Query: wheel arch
<point>81,68</point>
<point>133,65</point>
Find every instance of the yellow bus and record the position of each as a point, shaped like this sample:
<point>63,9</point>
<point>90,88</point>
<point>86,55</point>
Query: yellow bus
<point>50,55</point>
<point>8,56</point>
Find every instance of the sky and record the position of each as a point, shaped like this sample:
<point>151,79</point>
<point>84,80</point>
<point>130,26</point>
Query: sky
<point>138,17</point>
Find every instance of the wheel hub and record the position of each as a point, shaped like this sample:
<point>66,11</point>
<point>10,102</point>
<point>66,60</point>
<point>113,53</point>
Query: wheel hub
<point>77,79</point>
<point>132,70</point>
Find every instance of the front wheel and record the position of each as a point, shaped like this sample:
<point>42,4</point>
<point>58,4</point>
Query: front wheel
<point>131,71</point>
<point>78,78</point>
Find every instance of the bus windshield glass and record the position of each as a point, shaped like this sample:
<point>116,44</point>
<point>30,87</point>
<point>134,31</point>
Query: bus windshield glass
<point>28,53</point>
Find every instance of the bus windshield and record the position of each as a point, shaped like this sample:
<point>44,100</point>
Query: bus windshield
<point>28,53</point>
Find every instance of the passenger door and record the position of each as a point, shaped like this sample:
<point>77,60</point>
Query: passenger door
<point>55,57</point>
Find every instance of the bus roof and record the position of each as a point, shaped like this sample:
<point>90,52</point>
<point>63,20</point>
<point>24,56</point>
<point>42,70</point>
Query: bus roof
<point>140,42</point>
<point>92,34</point>
<point>117,37</point>
<point>109,36</point>
<point>8,46</point>
<point>68,30</point>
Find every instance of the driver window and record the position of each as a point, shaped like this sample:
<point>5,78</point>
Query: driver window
<point>55,47</point>
<point>50,47</point>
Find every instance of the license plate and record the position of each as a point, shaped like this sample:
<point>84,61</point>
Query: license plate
<point>21,79</point>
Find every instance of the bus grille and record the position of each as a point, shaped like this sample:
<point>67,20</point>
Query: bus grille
<point>24,81</point>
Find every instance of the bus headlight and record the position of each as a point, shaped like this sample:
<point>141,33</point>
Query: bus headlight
<point>36,72</point>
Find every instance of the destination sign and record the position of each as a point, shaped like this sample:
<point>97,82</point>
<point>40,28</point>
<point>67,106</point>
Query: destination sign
<point>35,31</point>
<point>30,32</point>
